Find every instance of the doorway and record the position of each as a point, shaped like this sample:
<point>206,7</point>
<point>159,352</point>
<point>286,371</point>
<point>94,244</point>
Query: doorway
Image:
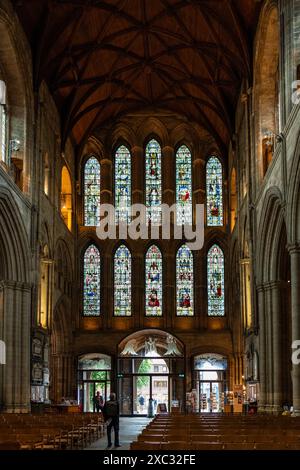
<point>211,397</point>
<point>211,382</point>
<point>150,374</point>
<point>94,375</point>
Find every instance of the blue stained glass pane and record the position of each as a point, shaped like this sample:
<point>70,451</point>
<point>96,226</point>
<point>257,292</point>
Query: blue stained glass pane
<point>153,182</point>
<point>122,282</point>
<point>185,281</point>
<point>184,186</point>
<point>215,280</point>
<point>92,192</point>
<point>122,184</point>
<point>91,281</point>
<point>153,282</point>
<point>214,192</point>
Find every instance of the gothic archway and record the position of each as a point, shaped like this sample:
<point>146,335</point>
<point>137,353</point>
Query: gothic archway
<point>150,371</point>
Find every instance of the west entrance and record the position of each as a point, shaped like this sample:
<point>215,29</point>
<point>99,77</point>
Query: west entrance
<point>150,373</point>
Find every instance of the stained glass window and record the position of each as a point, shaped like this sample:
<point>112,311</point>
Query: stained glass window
<point>184,186</point>
<point>185,281</point>
<point>92,192</point>
<point>153,281</point>
<point>153,181</point>
<point>122,184</point>
<point>91,281</point>
<point>122,282</point>
<point>214,192</point>
<point>215,281</point>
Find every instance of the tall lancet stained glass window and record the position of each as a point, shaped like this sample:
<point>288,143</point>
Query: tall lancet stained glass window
<point>185,281</point>
<point>214,192</point>
<point>184,186</point>
<point>153,182</point>
<point>153,282</point>
<point>122,282</point>
<point>122,184</point>
<point>92,192</point>
<point>215,281</point>
<point>91,281</point>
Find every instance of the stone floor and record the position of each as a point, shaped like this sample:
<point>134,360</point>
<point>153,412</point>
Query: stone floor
<point>129,430</point>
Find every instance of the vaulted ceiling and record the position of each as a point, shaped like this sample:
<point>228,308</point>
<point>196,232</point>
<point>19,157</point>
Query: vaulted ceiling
<point>103,59</point>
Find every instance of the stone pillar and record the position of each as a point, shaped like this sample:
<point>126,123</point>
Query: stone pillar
<point>15,313</point>
<point>277,346</point>
<point>269,350</point>
<point>138,166</point>
<point>262,349</point>
<point>295,307</point>
<point>106,182</point>
<point>168,176</point>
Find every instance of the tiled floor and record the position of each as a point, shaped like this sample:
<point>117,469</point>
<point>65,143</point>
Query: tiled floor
<point>129,429</point>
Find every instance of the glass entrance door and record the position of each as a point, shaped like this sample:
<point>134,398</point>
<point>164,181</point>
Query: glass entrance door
<point>160,392</point>
<point>141,394</point>
<point>90,389</point>
<point>211,397</point>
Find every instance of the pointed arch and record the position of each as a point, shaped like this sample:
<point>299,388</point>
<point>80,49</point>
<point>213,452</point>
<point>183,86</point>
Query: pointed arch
<point>92,182</point>
<point>215,282</point>
<point>184,282</point>
<point>122,281</point>
<point>122,184</point>
<point>184,194</point>
<point>153,281</point>
<point>91,281</point>
<point>66,197</point>
<point>153,181</point>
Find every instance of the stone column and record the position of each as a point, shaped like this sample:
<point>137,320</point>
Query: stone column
<point>138,166</point>
<point>277,346</point>
<point>168,176</point>
<point>16,317</point>
<point>262,348</point>
<point>269,350</point>
<point>295,307</point>
<point>106,182</point>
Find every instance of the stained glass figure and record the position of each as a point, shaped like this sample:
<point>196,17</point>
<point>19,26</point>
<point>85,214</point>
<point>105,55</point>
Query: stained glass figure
<point>214,192</point>
<point>91,281</point>
<point>184,186</point>
<point>215,281</point>
<point>92,192</point>
<point>122,184</point>
<point>153,275</point>
<point>122,282</point>
<point>153,182</point>
<point>185,281</point>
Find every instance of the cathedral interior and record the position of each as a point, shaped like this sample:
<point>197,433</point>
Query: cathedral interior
<point>131,104</point>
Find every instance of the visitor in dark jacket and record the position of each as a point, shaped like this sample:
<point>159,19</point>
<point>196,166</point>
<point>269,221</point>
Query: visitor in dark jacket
<point>111,412</point>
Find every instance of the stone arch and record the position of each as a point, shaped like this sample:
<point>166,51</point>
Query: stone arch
<point>15,306</point>
<point>266,79</point>
<point>152,127</point>
<point>293,219</point>
<point>15,265</point>
<point>123,133</point>
<point>17,73</point>
<point>62,381</point>
<point>269,226</point>
<point>184,134</point>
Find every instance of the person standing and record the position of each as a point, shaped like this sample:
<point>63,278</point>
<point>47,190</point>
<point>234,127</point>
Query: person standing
<point>98,401</point>
<point>111,412</point>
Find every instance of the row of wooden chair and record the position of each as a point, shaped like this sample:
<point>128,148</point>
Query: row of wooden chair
<point>28,431</point>
<point>219,432</point>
